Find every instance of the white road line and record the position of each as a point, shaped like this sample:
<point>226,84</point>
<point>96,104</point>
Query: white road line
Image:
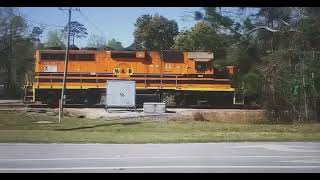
<point>157,144</point>
<point>277,147</point>
<point>151,157</point>
<point>156,167</point>
<point>313,161</point>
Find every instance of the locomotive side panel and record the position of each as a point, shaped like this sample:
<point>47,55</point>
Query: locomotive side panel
<point>102,63</point>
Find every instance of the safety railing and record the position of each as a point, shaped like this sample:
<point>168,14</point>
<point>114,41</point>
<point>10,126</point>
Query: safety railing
<point>97,78</point>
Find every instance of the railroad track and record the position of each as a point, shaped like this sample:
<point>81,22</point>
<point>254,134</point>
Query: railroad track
<point>19,105</point>
<point>12,107</point>
<point>23,107</point>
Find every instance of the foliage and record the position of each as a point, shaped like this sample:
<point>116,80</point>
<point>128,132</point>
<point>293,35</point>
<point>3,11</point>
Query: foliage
<point>96,41</point>
<point>77,30</point>
<point>16,50</point>
<point>289,64</point>
<point>114,44</point>
<point>270,47</point>
<point>35,34</point>
<point>216,20</point>
<point>132,47</point>
<point>154,32</point>
<point>201,37</point>
<point>55,39</point>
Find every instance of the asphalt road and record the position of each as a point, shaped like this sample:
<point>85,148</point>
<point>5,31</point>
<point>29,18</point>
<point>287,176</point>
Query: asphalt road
<point>293,157</point>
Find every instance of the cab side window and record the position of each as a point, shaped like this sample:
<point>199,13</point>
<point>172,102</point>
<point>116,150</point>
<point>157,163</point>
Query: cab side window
<point>201,66</point>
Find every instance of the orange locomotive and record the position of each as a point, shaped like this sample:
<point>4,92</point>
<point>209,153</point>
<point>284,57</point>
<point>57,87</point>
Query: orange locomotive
<point>189,76</point>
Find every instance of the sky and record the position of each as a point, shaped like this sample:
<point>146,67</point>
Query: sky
<point>110,22</point>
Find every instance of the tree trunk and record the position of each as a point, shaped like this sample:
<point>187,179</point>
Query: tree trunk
<point>13,76</point>
<point>12,71</point>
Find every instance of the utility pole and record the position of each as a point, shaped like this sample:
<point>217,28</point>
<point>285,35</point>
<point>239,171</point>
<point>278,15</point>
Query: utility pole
<point>61,102</point>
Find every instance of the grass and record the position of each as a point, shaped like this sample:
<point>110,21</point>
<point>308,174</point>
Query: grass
<point>21,127</point>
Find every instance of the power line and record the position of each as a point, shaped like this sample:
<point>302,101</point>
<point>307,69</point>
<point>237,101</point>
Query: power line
<point>62,10</point>
<point>28,19</point>
<point>44,24</point>
<point>96,27</point>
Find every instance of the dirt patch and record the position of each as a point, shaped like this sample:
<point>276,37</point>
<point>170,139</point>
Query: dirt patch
<point>175,114</point>
<point>197,116</point>
<point>100,113</point>
<point>236,116</point>
<point>221,115</point>
<point>214,115</point>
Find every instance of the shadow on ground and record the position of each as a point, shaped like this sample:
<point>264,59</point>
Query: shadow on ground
<point>99,125</point>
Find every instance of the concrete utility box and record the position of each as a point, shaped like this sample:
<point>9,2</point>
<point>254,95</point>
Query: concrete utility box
<point>154,107</point>
<point>120,94</point>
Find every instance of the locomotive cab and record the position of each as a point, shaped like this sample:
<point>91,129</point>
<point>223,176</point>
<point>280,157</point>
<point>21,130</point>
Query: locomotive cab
<point>203,61</point>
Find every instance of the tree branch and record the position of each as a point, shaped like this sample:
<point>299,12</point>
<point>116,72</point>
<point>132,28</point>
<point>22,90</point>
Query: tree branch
<point>284,22</point>
<point>262,27</point>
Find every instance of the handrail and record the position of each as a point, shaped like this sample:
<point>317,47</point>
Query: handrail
<point>51,80</point>
<point>176,81</point>
<point>136,78</point>
<point>97,80</point>
<point>81,81</point>
<point>145,80</point>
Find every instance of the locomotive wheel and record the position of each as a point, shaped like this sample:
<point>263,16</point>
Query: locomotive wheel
<point>52,102</point>
<point>180,100</point>
<point>93,99</point>
<point>77,99</point>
